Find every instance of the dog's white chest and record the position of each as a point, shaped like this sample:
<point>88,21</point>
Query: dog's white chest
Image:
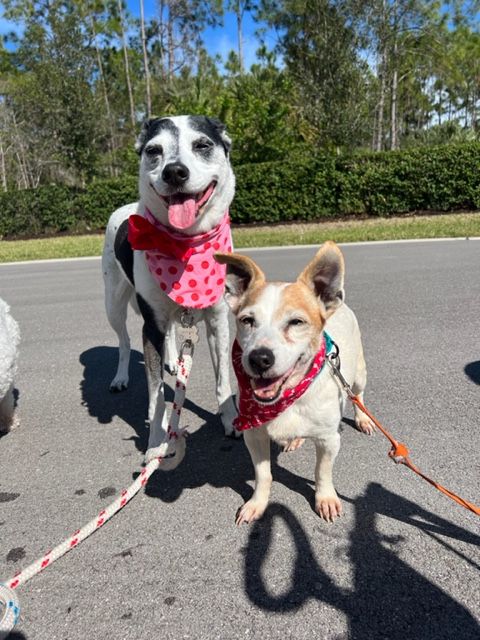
<point>315,415</point>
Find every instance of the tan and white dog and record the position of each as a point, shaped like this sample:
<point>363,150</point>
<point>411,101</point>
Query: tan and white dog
<point>280,343</point>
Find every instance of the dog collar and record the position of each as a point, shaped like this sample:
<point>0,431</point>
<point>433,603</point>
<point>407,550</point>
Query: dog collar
<point>183,266</point>
<point>252,413</point>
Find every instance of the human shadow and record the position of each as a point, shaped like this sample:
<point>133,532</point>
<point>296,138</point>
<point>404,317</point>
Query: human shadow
<point>472,370</point>
<point>389,598</point>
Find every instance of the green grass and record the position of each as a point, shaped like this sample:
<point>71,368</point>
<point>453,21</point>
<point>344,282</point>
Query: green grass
<point>397,228</point>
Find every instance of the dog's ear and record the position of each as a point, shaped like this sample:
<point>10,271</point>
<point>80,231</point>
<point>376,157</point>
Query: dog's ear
<point>242,273</point>
<point>221,129</point>
<point>324,275</point>
<point>145,134</point>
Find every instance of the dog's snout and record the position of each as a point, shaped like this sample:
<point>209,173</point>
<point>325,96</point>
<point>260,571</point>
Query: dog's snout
<point>261,359</point>
<point>175,174</point>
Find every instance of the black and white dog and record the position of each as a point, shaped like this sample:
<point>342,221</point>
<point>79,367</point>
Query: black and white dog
<point>186,185</point>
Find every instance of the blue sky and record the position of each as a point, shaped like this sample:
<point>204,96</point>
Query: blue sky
<point>219,40</point>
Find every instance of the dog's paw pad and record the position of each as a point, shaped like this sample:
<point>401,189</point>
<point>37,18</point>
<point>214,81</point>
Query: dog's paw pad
<point>328,508</point>
<point>249,512</point>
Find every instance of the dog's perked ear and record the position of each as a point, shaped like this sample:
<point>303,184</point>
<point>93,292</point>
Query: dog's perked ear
<point>324,275</point>
<point>242,273</point>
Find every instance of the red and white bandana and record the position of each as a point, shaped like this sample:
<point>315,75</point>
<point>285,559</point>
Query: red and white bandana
<point>252,413</point>
<point>182,265</point>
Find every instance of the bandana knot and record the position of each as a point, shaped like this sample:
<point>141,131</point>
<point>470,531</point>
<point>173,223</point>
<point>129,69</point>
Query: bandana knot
<point>183,266</point>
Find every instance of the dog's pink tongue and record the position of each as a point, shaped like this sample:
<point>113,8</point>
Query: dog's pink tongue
<point>182,211</point>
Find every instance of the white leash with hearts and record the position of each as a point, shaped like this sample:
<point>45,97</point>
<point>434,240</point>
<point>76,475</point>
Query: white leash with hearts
<point>9,601</point>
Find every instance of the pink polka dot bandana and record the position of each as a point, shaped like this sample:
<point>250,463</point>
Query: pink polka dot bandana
<point>252,413</point>
<point>182,265</point>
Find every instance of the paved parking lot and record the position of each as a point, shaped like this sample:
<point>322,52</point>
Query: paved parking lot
<point>403,561</point>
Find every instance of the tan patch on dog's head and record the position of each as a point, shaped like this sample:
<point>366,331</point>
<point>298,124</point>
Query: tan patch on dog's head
<point>299,302</point>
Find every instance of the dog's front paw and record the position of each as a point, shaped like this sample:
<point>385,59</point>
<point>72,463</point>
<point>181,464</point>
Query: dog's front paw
<point>171,454</point>
<point>251,510</point>
<point>328,507</point>
<point>364,424</point>
<point>119,383</point>
<point>228,413</point>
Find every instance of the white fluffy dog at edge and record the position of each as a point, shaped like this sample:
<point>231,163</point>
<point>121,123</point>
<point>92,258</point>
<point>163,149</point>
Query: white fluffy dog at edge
<point>280,335</point>
<point>9,341</point>
<point>186,185</point>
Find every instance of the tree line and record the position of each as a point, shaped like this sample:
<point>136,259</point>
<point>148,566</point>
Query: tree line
<point>79,77</point>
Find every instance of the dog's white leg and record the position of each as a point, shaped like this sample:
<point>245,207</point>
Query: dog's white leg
<point>171,351</point>
<point>363,422</point>
<point>8,417</point>
<point>158,440</point>
<point>258,444</point>
<point>218,336</point>
<point>116,304</point>
<point>327,503</point>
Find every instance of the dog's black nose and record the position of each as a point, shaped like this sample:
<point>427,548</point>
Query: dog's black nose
<point>261,359</point>
<point>175,174</point>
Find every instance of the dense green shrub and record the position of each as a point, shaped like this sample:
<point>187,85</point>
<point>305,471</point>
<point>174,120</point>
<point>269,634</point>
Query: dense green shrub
<point>443,178</point>
<point>32,212</point>
<point>101,198</point>
<point>285,191</point>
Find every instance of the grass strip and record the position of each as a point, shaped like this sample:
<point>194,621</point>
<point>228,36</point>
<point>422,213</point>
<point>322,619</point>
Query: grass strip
<point>397,228</point>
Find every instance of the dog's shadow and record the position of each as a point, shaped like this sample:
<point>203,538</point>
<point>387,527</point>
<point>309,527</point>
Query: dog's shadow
<point>210,458</point>
<point>130,405</point>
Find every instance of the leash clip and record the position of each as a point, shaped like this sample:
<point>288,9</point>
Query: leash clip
<point>333,359</point>
<point>187,332</point>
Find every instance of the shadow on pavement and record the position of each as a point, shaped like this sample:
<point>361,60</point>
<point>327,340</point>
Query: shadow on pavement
<point>472,370</point>
<point>390,599</point>
<point>131,405</point>
<point>210,457</point>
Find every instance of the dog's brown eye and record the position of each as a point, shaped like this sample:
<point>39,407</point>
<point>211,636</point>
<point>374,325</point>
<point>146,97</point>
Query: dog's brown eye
<point>295,322</point>
<point>248,321</point>
<point>153,151</point>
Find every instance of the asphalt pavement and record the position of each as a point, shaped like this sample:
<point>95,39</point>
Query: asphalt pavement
<point>401,564</point>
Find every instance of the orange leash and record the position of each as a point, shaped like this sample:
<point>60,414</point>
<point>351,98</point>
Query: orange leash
<point>399,452</point>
